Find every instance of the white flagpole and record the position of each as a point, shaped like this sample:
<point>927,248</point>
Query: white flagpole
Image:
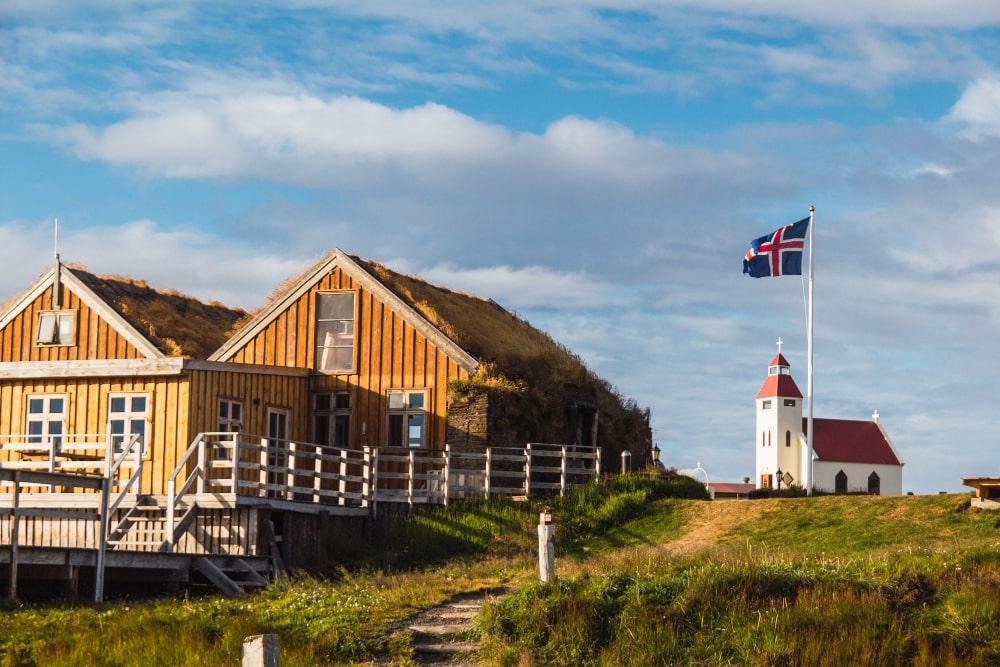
<point>809,354</point>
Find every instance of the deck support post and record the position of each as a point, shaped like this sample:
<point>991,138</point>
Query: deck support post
<point>14,529</point>
<point>102,541</point>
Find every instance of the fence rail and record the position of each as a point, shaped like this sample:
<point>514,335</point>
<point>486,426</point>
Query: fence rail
<point>246,465</point>
<point>114,456</point>
<point>231,465</point>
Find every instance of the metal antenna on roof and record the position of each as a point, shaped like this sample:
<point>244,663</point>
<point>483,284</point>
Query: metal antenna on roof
<point>56,287</point>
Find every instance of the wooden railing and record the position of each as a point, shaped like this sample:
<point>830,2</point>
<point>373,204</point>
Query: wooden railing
<point>99,511</point>
<point>520,471</point>
<point>244,465</point>
<point>236,464</point>
<point>118,458</point>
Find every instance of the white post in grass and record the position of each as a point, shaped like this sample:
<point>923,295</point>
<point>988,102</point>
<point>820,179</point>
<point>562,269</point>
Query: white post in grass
<point>546,547</point>
<point>261,651</point>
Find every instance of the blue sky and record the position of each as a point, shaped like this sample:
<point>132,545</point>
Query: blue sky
<point>597,168</point>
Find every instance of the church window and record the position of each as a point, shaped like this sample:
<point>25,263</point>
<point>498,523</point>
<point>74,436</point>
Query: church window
<point>767,405</point>
<point>840,482</point>
<point>768,438</point>
<point>788,438</point>
<point>874,484</point>
<point>789,402</point>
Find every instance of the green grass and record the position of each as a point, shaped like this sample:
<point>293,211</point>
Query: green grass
<point>818,581</point>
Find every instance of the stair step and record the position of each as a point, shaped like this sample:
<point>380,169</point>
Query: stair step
<point>447,648</point>
<point>440,628</point>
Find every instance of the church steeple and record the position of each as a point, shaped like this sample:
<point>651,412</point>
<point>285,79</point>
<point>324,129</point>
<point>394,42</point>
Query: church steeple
<point>779,380</point>
<point>779,424</point>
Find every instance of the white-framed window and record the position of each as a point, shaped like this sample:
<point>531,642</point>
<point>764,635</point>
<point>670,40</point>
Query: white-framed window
<point>56,327</point>
<point>128,414</point>
<point>230,416</point>
<point>406,417</point>
<point>335,332</point>
<point>332,418</point>
<point>45,417</point>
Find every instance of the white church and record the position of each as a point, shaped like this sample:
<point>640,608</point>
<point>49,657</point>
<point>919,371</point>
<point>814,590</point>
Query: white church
<point>848,455</point>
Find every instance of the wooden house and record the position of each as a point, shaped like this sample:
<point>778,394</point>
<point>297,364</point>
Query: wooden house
<point>224,435</point>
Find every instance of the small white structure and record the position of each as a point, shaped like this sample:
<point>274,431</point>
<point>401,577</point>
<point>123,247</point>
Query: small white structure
<point>848,455</point>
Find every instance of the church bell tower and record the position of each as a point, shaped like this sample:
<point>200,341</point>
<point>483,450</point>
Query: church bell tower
<point>779,424</point>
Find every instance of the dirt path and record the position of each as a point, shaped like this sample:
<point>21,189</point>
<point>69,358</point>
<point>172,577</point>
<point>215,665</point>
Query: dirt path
<point>443,635</point>
<point>707,523</point>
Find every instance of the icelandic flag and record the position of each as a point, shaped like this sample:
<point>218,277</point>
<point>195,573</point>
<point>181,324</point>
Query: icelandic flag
<point>777,254</point>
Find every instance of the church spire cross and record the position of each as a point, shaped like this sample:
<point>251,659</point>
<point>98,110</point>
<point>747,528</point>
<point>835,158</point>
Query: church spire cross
<point>779,344</point>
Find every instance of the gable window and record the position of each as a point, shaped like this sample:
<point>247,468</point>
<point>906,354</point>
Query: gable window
<point>56,327</point>
<point>335,332</point>
<point>230,416</point>
<point>332,419</point>
<point>46,418</point>
<point>128,415</point>
<point>406,418</point>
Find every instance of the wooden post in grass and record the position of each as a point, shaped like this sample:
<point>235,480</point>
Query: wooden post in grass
<point>260,651</point>
<point>546,547</point>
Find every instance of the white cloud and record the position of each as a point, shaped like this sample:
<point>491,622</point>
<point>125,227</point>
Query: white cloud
<point>191,261</point>
<point>978,109</point>
<point>525,287</point>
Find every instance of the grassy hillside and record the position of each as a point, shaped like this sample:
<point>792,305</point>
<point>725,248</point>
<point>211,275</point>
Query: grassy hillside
<point>644,577</point>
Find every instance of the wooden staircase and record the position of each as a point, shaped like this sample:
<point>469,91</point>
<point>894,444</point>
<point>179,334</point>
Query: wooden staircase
<point>233,575</point>
<point>143,528</point>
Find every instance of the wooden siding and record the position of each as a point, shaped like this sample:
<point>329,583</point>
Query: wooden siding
<point>87,412</point>
<point>389,353</point>
<point>257,393</point>
<point>95,339</point>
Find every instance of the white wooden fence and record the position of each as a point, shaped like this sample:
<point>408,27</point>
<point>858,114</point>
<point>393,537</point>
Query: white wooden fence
<point>245,465</point>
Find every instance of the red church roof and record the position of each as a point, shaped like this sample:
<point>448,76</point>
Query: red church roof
<point>779,360</point>
<point>851,441</point>
<point>779,385</point>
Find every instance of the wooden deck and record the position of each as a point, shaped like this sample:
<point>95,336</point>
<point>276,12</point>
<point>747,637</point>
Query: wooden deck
<point>229,492</point>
